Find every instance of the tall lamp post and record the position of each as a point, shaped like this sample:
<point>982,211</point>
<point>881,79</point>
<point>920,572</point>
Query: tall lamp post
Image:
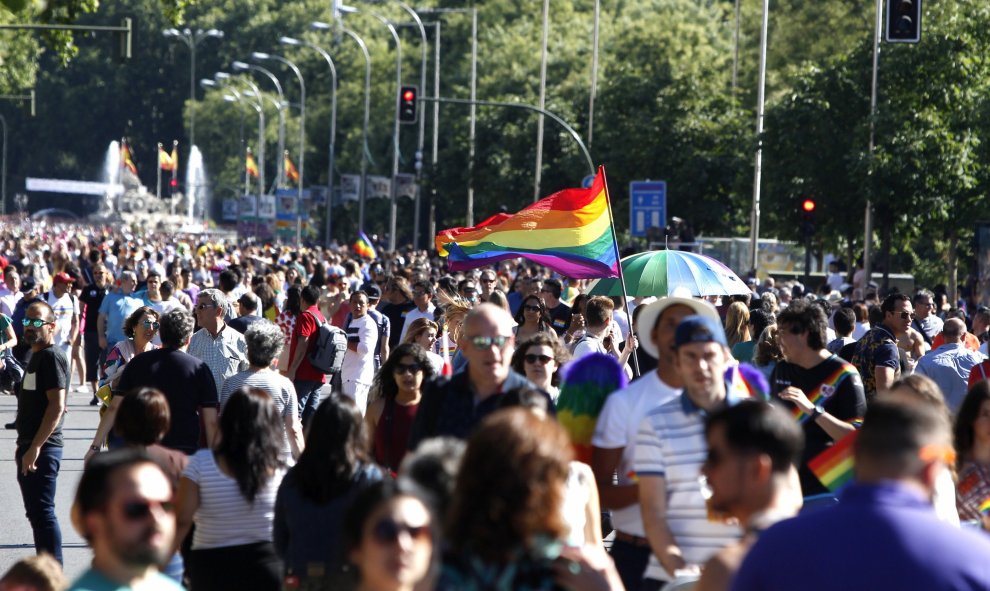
<point>302,133</point>
<point>422,119</point>
<point>259,107</point>
<point>331,157</point>
<point>395,129</point>
<point>192,39</point>
<point>320,26</point>
<point>473,11</point>
<point>244,67</point>
<point>3,170</point>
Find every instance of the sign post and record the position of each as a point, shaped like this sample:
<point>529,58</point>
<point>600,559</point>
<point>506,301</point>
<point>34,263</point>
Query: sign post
<point>647,206</point>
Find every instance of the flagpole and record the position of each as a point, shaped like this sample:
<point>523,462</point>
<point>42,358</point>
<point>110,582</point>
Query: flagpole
<point>159,190</point>
<point>618,259</point>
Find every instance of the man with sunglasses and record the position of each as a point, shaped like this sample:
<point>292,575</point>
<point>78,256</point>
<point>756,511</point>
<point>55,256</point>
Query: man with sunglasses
<point>455,406</point>
<point>40,406</point>
<point>884,532</point>
<point>123,509</point>
<point>823,392</point>
<point>876,355</point>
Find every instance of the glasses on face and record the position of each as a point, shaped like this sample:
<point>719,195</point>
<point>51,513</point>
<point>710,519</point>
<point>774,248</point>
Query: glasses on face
<point>532,308</point>
<point>205,306</point>
<point>483,343</point>
<point>150,324</point>
<point>412,368</point>
<point>36,322</point>
<point>138,510</point>
<point>387,531</point>
<point>907,315</point>
<point>488,280</point>
<point>543,359</point>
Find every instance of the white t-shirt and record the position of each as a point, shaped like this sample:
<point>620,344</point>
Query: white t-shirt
<point>359,366</point>
<point>224,517</point>
<point>414,315</point>
<point>617,426</point>
<point>65,308</point>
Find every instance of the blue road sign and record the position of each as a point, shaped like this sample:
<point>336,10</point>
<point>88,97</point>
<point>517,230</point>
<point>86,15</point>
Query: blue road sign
<point>647,206</point>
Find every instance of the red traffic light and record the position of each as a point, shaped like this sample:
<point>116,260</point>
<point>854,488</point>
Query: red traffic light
<point>808,205</point>
<point>408,95</point>
<point>173,183</point>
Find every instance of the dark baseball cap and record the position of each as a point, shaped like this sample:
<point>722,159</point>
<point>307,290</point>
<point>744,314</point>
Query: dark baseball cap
<point>28,283</point>
<point>699,329</point>
<point>372,291</point>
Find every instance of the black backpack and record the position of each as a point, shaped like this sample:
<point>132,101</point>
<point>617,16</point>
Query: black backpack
<point>327,346</point>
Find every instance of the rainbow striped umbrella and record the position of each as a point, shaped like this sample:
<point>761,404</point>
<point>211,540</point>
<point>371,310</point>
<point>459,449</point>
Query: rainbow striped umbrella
<point>660,272</point>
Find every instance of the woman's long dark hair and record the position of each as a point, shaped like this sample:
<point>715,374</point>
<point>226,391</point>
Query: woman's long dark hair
<point>293,300</point>
<point>968,411</point>
<point>385,378</point>
<point>250,439</point>
<point>336,446</point>
<point>544,322</point>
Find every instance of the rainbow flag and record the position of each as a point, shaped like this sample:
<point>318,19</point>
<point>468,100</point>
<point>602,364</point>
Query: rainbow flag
<point>250,165</point>
<point>834,466</point>
<point>569,232</point>
<point>826,389</point>
<point>125,158</point>
<point>290,169</point>
<point>985,507</point>
<point>363,247</point>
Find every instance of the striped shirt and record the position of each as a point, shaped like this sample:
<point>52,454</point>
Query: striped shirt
<point>279,387</point>
<point>225,354</point>
<point>671,444</point>
<point>224,517</point>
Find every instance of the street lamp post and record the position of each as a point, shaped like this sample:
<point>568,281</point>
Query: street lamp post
<point>331,149</point>
<point>302,134</point>
<point>259,107</point>
<point>395,128</point>
<point>473,106</point>
<point>422,119</point>
<point>243,67</point>
<point>206,83</point>
<point>3,170</point>
<point>192,39</point>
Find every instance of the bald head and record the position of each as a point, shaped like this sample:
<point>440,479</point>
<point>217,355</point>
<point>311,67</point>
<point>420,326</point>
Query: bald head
<point>488,315</point>
<point>953,330</point>
<point>487,343</point>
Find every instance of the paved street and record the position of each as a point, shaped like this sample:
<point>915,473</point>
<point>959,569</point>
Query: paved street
<point>15,539</point>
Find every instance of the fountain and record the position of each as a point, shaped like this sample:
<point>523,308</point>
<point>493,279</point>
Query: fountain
<point>197,189</point>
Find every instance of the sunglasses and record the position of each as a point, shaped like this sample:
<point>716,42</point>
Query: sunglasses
<point>150,324</point>
<point>138,510</point>
<point>387,531</point>
<point>543,359</point>
<point>907,315</point>
<point>413,368</point>
<point>483,343</point>
<point>532,308</point>
<point>205,306</point>
<point>36,322</point>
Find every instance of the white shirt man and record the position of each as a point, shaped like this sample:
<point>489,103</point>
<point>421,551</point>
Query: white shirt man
<point>66,309</point>
<point>358,369</point>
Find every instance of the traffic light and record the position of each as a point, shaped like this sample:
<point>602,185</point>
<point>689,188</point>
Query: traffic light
<point>903,21</point>
<point>173,186</point>
<point>808,217</point>
<point>408,104</point>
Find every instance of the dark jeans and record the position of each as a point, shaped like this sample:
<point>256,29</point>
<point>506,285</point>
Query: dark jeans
<point>92,353</point>
<point>630,560</point>
<point>38,492</point>
<point>235,568</point>
<point>308,394</point>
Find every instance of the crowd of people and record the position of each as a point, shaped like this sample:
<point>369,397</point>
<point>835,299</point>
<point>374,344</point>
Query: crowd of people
<point>467,439</point>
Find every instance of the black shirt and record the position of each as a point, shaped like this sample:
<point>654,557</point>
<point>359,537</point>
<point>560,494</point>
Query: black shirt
<point>47,370</point>
<point>396,314</point>
<point>560,318</point>
<point>241,323</point>
<point>187,384</point>
<point>842,396</point>
<point>92,296</point>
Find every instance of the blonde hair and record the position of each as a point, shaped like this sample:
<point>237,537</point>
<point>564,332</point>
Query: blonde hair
<point>737,324</point>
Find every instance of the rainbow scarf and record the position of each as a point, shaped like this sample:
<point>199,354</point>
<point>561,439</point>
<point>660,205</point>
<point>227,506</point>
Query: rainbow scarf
<point>588,382</point>
<point>834,466</point>
<point>985,507</point>
<point>825,390</point>
<point>569,232</point>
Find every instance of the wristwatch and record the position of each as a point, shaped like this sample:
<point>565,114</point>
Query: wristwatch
<point>819,411</point>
